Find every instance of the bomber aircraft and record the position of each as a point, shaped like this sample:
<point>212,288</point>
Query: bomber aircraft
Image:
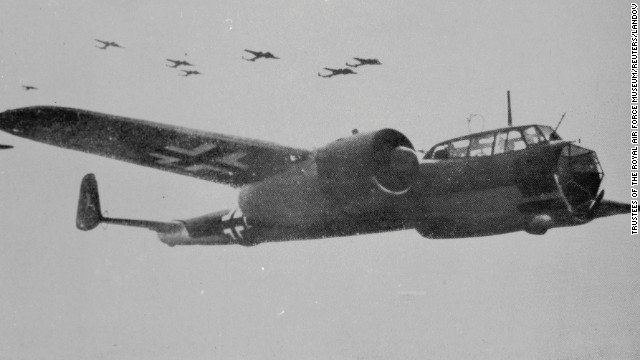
<point>518,178</point>
<point>186,73</point>
<point>334,72</point>
<point>259,54</point>
<point>177,63</point>
<point>106,44</point>
<point>362,61</point>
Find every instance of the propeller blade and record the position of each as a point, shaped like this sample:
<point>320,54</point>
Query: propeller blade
<point>596,202</point>
<point>5,147</point>
<point>590,214</point>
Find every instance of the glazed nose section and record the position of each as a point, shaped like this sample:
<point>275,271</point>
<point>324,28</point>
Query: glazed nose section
<point>579,177</point>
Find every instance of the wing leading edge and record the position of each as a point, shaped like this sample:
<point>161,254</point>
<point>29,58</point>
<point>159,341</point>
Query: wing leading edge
<point>209,156</point>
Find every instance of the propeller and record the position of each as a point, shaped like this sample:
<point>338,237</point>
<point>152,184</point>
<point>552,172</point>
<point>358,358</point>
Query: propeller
<point>590,213</point>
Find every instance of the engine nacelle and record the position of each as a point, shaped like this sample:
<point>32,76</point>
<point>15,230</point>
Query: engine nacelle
<point>380,162</point>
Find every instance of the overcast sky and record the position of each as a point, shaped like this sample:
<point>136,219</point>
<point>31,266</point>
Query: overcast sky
<point>121,294</point>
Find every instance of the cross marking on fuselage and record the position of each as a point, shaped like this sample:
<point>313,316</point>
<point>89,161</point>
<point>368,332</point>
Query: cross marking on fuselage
<point>234,223</point>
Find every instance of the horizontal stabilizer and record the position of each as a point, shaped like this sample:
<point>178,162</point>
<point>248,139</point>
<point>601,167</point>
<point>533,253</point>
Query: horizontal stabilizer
<point>90,215</point>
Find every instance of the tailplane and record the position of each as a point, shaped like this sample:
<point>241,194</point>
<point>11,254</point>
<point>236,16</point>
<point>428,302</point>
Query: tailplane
<point>218,228</point>
<point>90,215</point>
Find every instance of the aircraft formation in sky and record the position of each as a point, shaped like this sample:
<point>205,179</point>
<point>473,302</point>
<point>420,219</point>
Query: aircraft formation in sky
<point>367,183</point>
<point>177,63</point>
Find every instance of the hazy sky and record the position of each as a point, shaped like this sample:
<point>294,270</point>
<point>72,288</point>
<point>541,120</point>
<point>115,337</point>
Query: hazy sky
<point>121,294</point>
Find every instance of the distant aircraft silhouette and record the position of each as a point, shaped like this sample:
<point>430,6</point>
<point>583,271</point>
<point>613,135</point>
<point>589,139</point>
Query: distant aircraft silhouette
<point>29,87</point>
<point>335,72</point>
<point>190,72</point>
<point>177,63</point>
<point>365,62</point>
<point>259,54</point>
<point>106,44</point>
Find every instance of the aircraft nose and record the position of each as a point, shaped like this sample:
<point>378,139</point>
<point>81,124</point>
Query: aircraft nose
<point>579,176</point>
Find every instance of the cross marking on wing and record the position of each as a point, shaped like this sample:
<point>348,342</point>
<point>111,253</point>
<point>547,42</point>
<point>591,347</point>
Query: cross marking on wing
<point>232,160</point>
<point>200,158</point>
<point>194,152</point>
<point>164,160</point>
<point>199,167</point>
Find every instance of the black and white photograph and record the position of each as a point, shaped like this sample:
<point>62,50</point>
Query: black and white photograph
<point>321,179</point>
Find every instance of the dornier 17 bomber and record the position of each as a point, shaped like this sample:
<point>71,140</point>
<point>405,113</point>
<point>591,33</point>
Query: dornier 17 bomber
<point>492,182</point>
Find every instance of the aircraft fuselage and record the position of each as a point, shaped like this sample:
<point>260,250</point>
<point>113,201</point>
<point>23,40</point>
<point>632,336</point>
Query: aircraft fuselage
<point>463,197</point>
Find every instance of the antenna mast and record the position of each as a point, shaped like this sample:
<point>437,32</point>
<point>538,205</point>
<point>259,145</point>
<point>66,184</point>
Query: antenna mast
<point>509,118</point>
<point>562,118</point>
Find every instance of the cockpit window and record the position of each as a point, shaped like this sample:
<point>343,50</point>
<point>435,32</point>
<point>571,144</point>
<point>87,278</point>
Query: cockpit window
<point>481,146</point>
<point>549,133</point>
<point>531,135</point>
<point>501,143</point>
<point>509,140</point>
<point>515,141</point>
<point>459,148</point>
<point>492,142</point>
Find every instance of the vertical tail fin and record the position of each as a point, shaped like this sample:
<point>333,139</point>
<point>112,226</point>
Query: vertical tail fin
<point>89,213</point>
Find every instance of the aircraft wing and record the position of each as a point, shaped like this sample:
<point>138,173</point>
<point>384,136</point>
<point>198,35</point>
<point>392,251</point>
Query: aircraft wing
<point>209,156</point>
